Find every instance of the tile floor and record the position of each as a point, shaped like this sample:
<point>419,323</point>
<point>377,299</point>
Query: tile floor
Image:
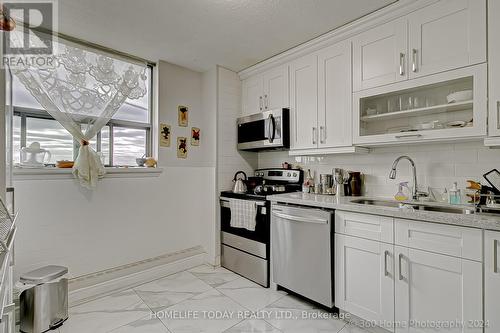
<point>203,299</point>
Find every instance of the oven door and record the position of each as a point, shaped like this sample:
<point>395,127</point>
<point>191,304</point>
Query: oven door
<point>262,226</point>
<point>265,130</point>
<point>243,251</point>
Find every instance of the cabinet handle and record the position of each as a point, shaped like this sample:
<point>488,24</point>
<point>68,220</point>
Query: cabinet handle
<point>401,64</point>
<point>408,136</point>
<point>314,135</point>
<point>498,114</point>
<point>386,254</point>
<point>322,134</point>
<point>260,103</point>
<point>495,256</point>
<point>414,60</point>
<point>266,102</point>
<point>401,277</point>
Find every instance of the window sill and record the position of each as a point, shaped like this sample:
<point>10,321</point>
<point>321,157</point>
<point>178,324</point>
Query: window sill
<point>58,173</point>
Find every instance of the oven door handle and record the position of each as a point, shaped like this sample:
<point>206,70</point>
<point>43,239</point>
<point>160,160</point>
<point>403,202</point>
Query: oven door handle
<point>225,204</point>
<point>271,128</point>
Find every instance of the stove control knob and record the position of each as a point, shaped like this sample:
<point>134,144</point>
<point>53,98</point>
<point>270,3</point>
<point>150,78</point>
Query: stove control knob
<point>288,174</point>
<point>295,174</point>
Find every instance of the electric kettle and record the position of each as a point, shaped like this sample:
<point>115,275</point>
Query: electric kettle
<point>239,184</point>
<point>34,156</point>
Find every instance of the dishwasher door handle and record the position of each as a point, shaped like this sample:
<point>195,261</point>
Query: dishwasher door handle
<point>296,218</point>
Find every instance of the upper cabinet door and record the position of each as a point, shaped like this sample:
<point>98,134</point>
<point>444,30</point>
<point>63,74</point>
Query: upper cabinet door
<point>379,55</point>
<point>447,35</point>
<point>304,102</point>
<point>334,96</point>
<point>252,100</point>
<point>494,67</point>
<point>276,88</point>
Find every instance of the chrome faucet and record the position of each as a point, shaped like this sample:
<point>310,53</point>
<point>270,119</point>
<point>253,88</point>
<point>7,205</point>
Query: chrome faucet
<point>392,175</point>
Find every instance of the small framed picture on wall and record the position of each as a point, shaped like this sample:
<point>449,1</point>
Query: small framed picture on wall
<point>195,136</point>
<point>182,147</point>
<point>165,134</point>
<point>183,114</point>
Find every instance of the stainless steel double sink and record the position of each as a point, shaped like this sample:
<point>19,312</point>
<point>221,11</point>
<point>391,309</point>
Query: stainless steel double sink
<point>417,206</point>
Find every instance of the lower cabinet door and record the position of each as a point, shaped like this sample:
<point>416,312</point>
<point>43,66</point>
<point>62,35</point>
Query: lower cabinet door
<point>364,279</point>
<point>434,289</point>
<point>491,281</point>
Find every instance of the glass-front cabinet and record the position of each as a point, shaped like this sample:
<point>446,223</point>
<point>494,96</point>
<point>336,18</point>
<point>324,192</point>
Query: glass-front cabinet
<point>450,105</point>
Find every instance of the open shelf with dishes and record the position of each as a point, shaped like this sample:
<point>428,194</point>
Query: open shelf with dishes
<point>438,107</point>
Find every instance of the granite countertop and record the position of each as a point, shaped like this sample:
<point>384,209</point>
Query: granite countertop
<point>481,221</point>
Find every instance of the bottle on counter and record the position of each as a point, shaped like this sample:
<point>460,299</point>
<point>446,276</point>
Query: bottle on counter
<point>455,198</point>
<point>308,181</point>
<point>403,192</point>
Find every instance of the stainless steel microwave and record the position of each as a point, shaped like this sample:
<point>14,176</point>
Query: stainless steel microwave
<point>264,131</point>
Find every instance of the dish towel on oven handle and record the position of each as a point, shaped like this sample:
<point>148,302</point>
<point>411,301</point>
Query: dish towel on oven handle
<point>243,214</point>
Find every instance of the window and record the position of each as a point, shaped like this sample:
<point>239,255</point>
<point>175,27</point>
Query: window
<point>126,136</point>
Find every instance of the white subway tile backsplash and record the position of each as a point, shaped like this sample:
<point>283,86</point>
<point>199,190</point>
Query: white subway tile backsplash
<point>438,165</point>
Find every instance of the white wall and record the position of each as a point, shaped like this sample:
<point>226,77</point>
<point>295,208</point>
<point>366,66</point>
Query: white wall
<point>229,159</point>
<point>438,165</point>
<point>127,219</point>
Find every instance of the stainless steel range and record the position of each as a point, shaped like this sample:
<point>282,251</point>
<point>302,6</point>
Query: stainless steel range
<point>245,250</point>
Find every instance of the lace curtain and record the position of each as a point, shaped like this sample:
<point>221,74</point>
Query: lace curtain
<point>82,92</point>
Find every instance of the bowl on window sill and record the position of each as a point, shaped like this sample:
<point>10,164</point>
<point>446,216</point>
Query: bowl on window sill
<point>65,164</point>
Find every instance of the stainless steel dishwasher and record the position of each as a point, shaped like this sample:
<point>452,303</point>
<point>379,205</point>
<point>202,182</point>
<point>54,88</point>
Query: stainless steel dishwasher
<point>301,251</point>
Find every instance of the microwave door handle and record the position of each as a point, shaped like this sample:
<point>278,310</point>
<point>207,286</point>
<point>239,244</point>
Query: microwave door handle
<point>271,129</point>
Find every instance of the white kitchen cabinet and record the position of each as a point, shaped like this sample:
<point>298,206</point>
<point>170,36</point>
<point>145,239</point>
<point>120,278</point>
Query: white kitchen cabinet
<point>334,91</point>
<point>320,90</point>
<point>439,289</point>
<point>494,68</point>
<point>450,240</point>
<point>380,55</point>
<point>304,102</point>
<point>276,88</point>
<point>251,95</point>
<point>374,227</point>
<point>491,281</point>
<point>266,91</point>
<point>364,278</point>
<point>418,110</point>
<point>447,35</point>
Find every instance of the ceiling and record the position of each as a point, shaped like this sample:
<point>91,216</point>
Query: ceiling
<point>199,34</point>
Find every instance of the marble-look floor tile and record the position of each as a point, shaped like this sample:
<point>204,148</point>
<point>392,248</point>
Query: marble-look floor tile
<point>291,314</point>
<point>292,302</point>
<point>171,290</point>
<point>350,328</point>
<point>305,321</point>
<point>253,326</point>
<point>105,314</point>
<point>214,276</point>
<point>249,294</point>
<point>197,314</point>
<point>144,325</point>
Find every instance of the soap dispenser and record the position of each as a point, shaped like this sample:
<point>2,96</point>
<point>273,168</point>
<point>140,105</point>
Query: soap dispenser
<point>454,193</point>
<point>401,195</point>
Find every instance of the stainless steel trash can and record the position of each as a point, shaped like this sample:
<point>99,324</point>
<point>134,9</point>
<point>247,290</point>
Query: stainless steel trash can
<point>44,300</point>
